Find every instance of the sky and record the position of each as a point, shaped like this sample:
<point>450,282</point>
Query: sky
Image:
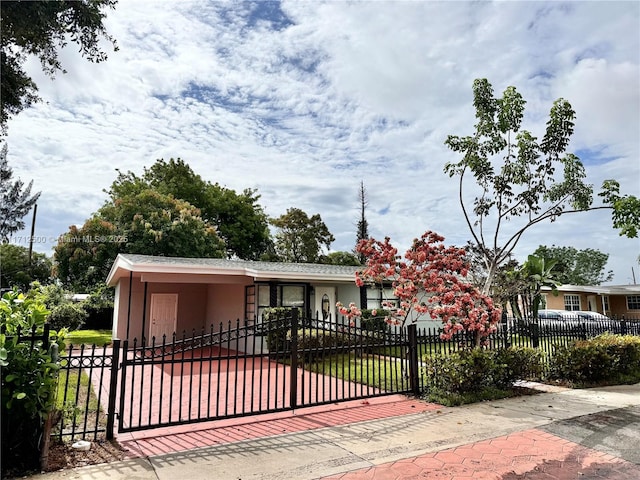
<point>303,100</point>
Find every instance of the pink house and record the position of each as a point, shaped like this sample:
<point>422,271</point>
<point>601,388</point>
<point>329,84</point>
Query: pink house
<point>615,301</point>
<point>156,296</point>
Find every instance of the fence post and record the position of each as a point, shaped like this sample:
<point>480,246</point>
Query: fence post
<point>414,376</point>
<point>535,335</point>
<point>623,326</point>
<point>293,381</point>
<point>123,376</point>
<point>505,330</point>
<point>113,387</point>
<point>45,336</point>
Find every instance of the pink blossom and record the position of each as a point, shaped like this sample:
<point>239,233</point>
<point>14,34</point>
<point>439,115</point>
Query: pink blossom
<point>429,282</point>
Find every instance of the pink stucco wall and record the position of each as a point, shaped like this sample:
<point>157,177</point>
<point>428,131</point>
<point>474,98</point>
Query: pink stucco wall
<point>224,303</point>
<point>192,306</point>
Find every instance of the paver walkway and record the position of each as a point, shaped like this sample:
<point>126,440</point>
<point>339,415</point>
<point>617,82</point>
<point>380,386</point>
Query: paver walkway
<point>532,454</point>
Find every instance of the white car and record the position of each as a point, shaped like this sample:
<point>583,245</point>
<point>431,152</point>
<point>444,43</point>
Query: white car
<point>557,316</point>
<point>591,316</point>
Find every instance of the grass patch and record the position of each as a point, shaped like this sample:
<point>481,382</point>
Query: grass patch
<point>99,338</point>
<point>375,371</point>
<point>77,404</point>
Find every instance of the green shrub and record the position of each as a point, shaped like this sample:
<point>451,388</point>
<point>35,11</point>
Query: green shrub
<point>459,372</point>
<point>606,358</point>
<point>476,374</point>
<point>67,315</point>
<point>64,312</point>
<point>276,324</point>
<point>29,374</point>
<point>375,323</point>
<point>311,343</point>
<point>517,363</point>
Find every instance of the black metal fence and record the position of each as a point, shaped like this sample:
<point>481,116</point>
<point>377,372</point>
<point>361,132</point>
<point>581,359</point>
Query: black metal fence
<point>81,408</point>
<point>235,370</point>
<point>87,382</point>
<point>238,369</point>
<point>544,335</point>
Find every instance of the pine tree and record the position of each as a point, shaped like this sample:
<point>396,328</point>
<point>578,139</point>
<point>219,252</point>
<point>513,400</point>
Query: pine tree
<point>15,200</point>
<point>363,226</point>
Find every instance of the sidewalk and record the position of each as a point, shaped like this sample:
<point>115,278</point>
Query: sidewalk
<point>559,434</point>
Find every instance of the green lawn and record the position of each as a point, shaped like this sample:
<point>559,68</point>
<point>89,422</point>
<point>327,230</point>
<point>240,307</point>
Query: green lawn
<point>98,338</point>
<point>77,403</point>
<point>373,370</point>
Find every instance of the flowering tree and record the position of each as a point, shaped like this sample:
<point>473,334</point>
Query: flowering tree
<point>429,281</point>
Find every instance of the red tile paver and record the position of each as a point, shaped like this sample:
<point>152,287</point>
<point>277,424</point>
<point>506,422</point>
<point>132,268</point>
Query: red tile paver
<point>528,455</point>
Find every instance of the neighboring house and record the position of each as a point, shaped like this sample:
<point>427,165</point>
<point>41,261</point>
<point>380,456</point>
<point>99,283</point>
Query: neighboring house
<point>156,296</point>
<point>615,301</point>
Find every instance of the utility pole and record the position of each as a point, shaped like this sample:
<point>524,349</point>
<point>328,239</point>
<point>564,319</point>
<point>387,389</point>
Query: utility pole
<point>33,229</point>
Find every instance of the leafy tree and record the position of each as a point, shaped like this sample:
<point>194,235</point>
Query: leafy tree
<point>15,200</point>
<point>477,268</point>
<point>523,181</point>
<point>168,210</point>
<point>239,219</point>
<point>41,28</point>
<point>147,223</point>
<point>156,224</point>
<point>83,256</point>
<point>509,285</point>
<point>626,209</point>
<point>300,238</point>
<point>576,267</point>
<point>241,222</point>
<point>340,258</point>
<point>429,281</point>
<point>16,270</point>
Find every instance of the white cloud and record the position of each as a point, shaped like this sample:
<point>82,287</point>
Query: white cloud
<point>305,109</point>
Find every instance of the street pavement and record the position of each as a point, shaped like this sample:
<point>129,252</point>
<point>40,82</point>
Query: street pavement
<point>556,434</point>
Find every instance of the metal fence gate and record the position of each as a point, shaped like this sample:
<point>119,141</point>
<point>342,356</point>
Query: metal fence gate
<point>237,370</point>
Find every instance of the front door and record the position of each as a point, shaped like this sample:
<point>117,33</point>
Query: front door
<point>325,302</point>
<point>591,303</point>
<point>164,315</point>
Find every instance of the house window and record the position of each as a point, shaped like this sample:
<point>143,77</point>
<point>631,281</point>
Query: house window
<point>263,299</point>
<point>633,302</point>
<point>377,295</point>
<point>272,295</point>
<point>291,296</point>
<point>605,303</point>
<point>250,302</point>
<point>572,302</point>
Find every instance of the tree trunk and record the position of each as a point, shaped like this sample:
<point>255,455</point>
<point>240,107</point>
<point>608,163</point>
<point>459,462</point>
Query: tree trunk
<point>491,274</point>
